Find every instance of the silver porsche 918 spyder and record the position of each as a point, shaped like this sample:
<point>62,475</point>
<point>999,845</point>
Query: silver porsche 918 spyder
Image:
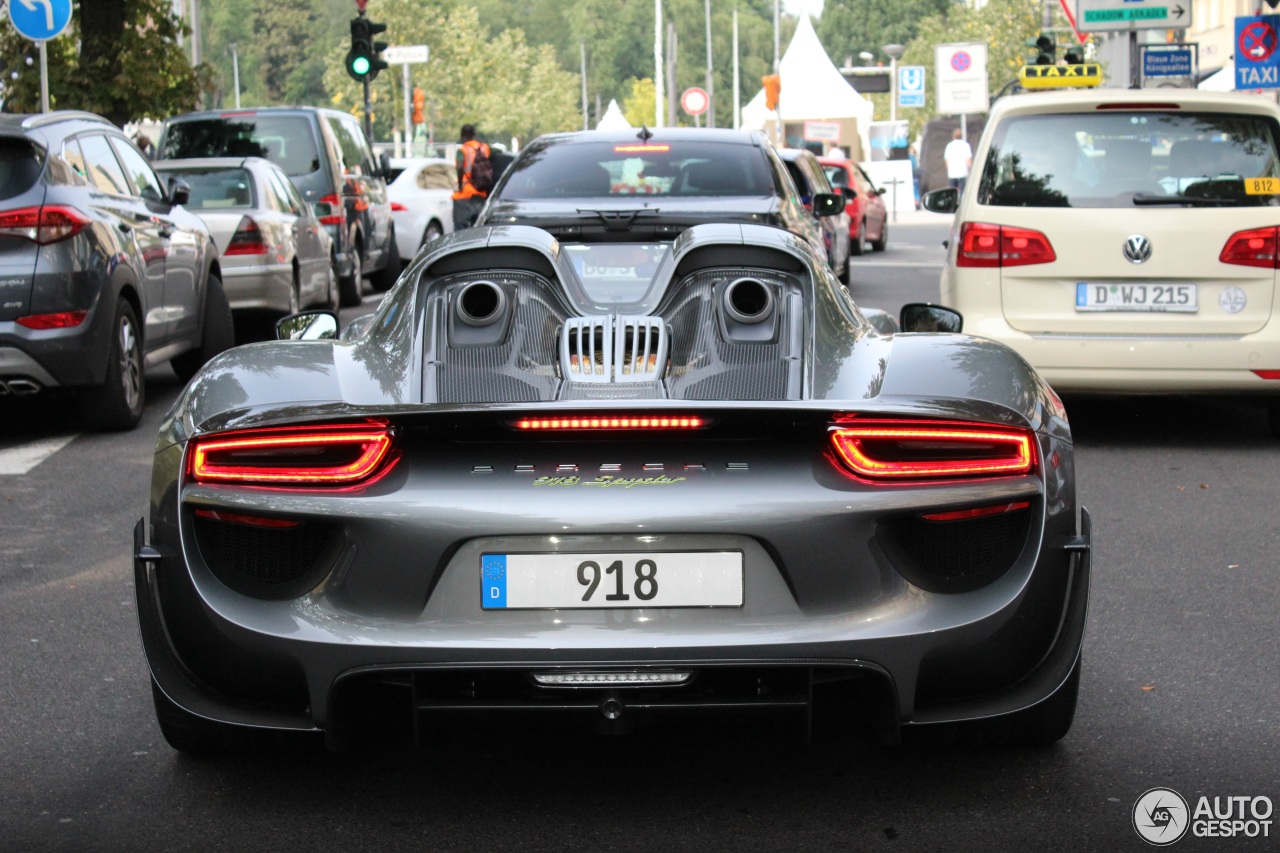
<point>613,480</point>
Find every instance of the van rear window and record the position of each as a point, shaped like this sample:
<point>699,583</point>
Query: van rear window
<point>1123,159</point>
<point>20,166</point>
<point>286,140</point>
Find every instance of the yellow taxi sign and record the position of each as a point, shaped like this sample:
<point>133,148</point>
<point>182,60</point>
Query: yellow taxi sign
<point>1060,76</point>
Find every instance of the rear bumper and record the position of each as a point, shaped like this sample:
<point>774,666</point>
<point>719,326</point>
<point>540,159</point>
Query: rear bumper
<point>264,286</point>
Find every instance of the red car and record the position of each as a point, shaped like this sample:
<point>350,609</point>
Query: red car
<point>868,219</point>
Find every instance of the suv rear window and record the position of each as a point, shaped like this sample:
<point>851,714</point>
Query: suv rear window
<point>285,140</point>
<point>595,169</point>
<point>1122,159</point>
<point>20,165</point>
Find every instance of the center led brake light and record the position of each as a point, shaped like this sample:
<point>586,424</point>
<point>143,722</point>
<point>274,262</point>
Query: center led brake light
<point>611,422</point>
<point>340,455</point>
<point>932,450</point>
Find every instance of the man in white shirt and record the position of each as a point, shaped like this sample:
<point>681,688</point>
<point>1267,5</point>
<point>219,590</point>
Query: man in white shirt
<point>958,157</point>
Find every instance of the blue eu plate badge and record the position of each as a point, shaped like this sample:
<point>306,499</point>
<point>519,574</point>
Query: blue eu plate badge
<point>493,580</point>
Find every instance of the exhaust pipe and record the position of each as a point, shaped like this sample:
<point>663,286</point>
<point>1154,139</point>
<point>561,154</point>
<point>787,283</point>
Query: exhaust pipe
<point>20,387</point>
<point>748,301</point>
<point>480,303</point>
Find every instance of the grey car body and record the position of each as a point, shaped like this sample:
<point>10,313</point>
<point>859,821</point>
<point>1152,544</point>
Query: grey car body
<point>133,272</point>
<point>325,153</point>
<point>487,328</point>
<point>810,180</point>
<point>287,266</point>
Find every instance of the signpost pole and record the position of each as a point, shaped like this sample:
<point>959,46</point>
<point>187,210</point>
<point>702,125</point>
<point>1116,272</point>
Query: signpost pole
<point>408,97</point>
<point>44,77</point>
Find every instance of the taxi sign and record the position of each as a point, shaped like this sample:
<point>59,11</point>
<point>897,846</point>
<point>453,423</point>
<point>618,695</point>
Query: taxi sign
<point>1060,76</point>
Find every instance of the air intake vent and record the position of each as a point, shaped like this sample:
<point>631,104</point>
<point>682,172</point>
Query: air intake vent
<point>641,349</point>
<point>586,349</point>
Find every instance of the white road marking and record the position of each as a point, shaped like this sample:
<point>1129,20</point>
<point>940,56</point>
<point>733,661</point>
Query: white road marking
<point>24,457</point>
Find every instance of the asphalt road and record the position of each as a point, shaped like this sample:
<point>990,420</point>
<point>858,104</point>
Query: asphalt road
<point>1179,686</point>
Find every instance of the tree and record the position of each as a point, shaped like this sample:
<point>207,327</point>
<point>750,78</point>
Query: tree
<point>284,30</point>
<point>639,105</point>
<point>850,27</point>
<point>129,64</point>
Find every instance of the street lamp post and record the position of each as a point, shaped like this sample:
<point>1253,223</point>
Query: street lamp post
<point>235,70</point>
<point>894,52</point>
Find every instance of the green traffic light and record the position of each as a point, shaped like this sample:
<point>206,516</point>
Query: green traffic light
<point>360,65</point>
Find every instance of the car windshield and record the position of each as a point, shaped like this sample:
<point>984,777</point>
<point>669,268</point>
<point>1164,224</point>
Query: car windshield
<point>1120,158</point>
<point>285,140</point>
<point>616,273</point>
<point>621,169</point>
<point>216,189</point>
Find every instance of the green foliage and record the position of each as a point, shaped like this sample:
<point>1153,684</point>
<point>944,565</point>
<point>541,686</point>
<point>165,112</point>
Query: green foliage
<point>129,64</point>
<point>850,27</point>
<point>639,105</point>
<point>283,29</point>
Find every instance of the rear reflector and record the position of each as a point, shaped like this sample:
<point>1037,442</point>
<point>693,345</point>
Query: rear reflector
<point>61,320</point>
<point>42,225</point>
<point>251,520</point>
<point>247,240</point>
<point>977,512</point>
<point>931,450</point>
<point>610,422</point>
<point>1253,248</point>
<point>343,455</point>
<point>984,245</point>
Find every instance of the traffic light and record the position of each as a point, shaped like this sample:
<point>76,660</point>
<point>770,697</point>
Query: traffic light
<point>772,90</point>
<point>1046,50</point>
<point>364,59</point>
<point>1074,55</point>
<point>419,106</point>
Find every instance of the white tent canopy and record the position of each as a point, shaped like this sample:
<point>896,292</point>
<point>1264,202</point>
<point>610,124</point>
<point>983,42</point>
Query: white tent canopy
<point>613,119</point>
<point>812,88</point>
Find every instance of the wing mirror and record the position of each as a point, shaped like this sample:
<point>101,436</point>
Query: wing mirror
<point>941,201</point>
<point>923,317</point>
<point>827,204</point>
<point>849,193</point>
<point>308,326</point>
<point>384,164</point>
<point>179,191</point>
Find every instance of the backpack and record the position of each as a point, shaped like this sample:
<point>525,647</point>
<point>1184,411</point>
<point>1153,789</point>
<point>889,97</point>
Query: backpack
<point>482,169</point>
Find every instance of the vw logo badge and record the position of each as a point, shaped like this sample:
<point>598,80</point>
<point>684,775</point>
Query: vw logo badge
<point>1137,249</point>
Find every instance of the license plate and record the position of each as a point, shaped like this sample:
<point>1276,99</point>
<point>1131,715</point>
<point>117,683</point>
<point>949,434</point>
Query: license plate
<point>640,579</point>
<point>1149,296</point>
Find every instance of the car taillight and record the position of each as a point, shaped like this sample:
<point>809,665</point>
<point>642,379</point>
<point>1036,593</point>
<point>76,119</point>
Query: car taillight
<point>341,455</point>
<point>397,207</point>
<point>43,225</point>
<point>247,240</point>
<point>932,450</point>
<point>612,422</point>
<point>336,215</point>
<point>1253,248</point>
<point>983,245</point>
<point>60,320</point>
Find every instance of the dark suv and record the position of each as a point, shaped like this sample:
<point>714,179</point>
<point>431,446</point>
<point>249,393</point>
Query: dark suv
<point>649,185</point>
<point>325,154</point>
<point>103,273</point>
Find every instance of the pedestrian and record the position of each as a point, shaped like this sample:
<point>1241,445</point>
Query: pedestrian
<point>475,178</point>
<point>144,145</point>
<point>959,158</point>
<point>915,173</point>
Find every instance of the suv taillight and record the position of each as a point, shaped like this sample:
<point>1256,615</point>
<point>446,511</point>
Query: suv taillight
<point>42,225</point>
<point>983,245</point>
<point>336,215</point>
<point>247,240</point>
<point>1254,248</point>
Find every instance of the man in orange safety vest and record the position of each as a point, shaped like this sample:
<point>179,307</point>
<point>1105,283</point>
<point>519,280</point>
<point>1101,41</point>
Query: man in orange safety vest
<point>475,178</point>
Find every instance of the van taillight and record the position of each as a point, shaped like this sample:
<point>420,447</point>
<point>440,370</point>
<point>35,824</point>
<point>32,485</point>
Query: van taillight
<point>984,245</point>
<point>1253,248</point>
<point>336,214</point>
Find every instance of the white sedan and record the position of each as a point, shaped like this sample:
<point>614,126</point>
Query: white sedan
<point>421,201</point>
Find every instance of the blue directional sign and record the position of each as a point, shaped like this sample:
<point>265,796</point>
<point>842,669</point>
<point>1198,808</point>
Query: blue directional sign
<point>1172,62</point>
<point>40,20</point>
<point>1257,60</point>
<point>911,86</point>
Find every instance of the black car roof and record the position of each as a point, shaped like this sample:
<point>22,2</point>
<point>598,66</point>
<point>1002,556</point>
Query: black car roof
<point>656,135</point>
<point>249,111</point>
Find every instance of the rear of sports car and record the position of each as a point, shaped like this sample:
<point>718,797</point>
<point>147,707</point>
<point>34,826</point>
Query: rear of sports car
<point>638,514</point>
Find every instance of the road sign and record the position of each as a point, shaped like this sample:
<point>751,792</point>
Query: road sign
<point>822,131</point>
<point>1168,61</point>
<point>961,71</point>
<point>694,101</point>
<point>1098,16</point>
<point>1257,60</point>
<point>911,85</point>
<point>40,20</point>
<point>406,55</point>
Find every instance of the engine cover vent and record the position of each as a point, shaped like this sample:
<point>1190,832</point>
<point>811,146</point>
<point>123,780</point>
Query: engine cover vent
<point>607,349</point>
<point>640,348</point>
<point>586,349</point>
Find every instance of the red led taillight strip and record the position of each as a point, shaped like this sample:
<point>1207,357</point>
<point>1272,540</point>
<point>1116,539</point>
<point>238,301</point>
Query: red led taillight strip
<point>250,520</point>
<point>610,422</point>
<point>301,456</point>
<point>976,512</point>
<point>918,450</point>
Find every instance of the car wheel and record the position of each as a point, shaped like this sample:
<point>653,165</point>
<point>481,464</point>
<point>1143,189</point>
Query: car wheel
<point>349,287</point>
<point>883,242</point>
<point>434,232</point>
<point>846,269</point>
<point>858,244</point>
<point>385,278</point>
<point>117,403</point>
<point>219,332</point>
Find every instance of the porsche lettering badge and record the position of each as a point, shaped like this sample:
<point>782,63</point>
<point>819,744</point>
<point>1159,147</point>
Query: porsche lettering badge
<point>609,481</point>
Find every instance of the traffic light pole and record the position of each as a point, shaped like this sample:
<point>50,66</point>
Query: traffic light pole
<point>368,112</point>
